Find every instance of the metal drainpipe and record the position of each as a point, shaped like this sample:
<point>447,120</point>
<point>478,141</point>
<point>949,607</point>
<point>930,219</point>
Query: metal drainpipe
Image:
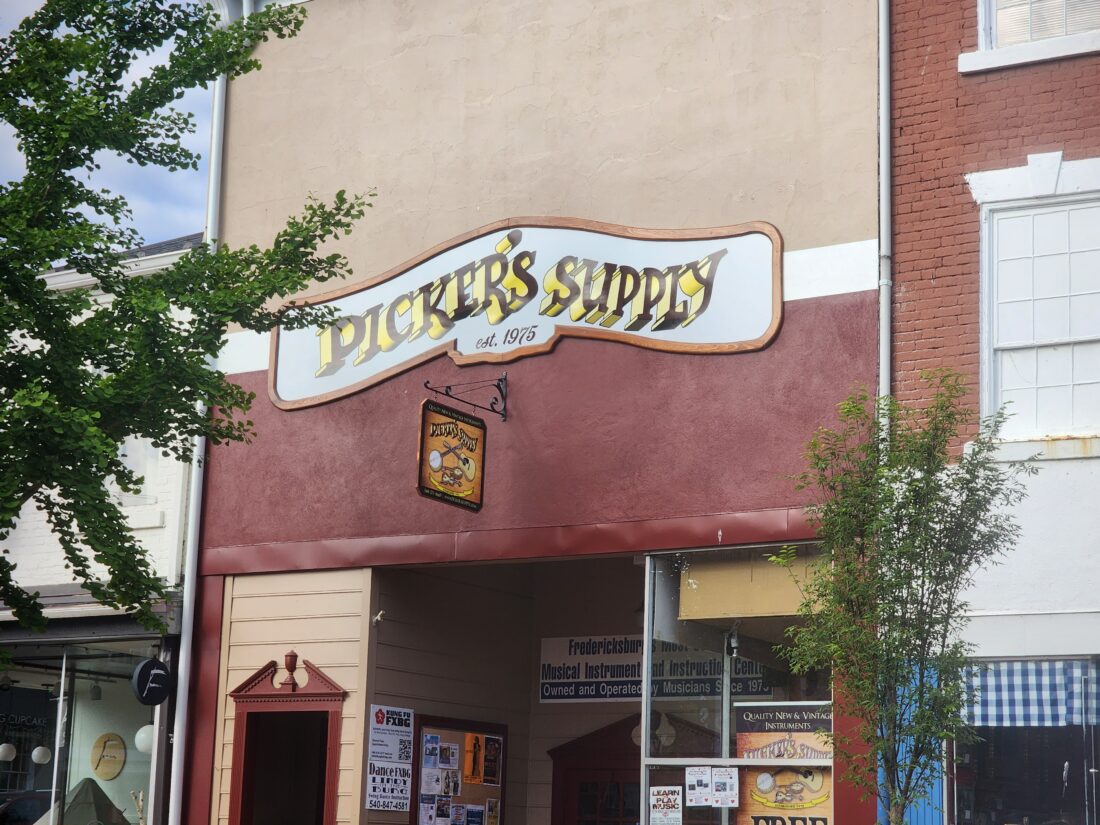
<point>885,218</point>
<point>195,483</point>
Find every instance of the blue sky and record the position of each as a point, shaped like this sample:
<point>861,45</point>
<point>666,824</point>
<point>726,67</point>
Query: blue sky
<point>165,204</point>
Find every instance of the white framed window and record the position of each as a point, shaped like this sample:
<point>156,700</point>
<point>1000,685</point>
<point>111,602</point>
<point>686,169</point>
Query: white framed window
<point>1042,315</point>
<point>1015,32</point>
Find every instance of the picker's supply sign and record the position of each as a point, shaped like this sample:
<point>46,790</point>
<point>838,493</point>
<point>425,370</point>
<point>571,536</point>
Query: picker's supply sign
<point>609,669</point>
<point>782,794</point>
<point>513,288</point>
<point>452,456</point>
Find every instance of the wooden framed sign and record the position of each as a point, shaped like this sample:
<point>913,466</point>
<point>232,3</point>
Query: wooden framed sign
<point>512,289</point>
<point>452,456</point>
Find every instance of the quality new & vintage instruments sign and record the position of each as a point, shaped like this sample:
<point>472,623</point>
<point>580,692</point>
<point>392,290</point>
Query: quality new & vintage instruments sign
<point>513,288</point>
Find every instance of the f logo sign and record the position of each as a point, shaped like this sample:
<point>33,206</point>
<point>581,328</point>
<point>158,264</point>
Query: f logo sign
<point>152,682</point>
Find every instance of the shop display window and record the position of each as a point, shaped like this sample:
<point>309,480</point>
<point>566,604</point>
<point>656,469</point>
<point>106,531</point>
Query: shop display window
<point>1034,758</point>
<point>79,741</point>
<point>730,729</point>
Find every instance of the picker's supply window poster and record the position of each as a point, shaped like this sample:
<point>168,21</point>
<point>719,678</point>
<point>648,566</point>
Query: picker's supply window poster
<point>784,731</point>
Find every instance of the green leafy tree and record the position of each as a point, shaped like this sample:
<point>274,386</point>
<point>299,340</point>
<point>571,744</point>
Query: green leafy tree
<point>84,370</point>
<point>905,521</point>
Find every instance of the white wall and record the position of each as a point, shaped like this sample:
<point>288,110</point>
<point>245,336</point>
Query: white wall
<point>158,522</point>
<point>1044,598</point>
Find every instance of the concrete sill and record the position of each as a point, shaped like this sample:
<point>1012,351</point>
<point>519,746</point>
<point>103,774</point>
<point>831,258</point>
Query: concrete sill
<point>1050,449</point>
<point>1037,51</point>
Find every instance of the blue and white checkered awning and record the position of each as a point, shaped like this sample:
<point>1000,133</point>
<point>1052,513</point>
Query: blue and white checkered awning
<point>1033,693</point>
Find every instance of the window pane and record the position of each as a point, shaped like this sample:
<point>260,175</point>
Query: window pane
<point>1084,270</point>
<point>1052,319</point>
<point>1086,362</point>
<point>1014,323</point>
<point>1051,276</point>
<point>1055,366</point>
<point>1054,410</point>
<point>1085,315</point>
<point>1017,369</point>
<point>1014,280</point>
<point>1047,19</point>
<point>1084,228</point>
<point>1020,406</point>
<point>1082,16</point>
<point>1052,228</point>
<point>1014,237</point>
<point>1086,408</point>
<point>1013,25</point>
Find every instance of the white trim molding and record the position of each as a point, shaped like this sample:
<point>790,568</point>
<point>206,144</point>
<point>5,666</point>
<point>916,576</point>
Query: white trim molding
<point>1036,51</point>
<point>1044,176</point>
<point>66,279</point>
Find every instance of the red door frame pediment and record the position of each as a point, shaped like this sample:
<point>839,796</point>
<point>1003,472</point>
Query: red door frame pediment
<point>259,694</point>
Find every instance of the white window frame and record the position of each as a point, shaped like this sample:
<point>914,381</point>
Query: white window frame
<point>988,56</point>
<point>1047,180</point>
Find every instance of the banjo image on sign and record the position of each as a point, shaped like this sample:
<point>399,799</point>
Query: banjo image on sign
<point>452,456</point>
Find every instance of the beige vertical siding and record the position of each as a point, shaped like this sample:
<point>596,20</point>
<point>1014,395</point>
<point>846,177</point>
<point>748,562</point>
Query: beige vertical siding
<point>321,615</point>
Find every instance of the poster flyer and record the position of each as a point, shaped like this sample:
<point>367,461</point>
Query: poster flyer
<point>490,767</point>
<point>666,805</point>
<point>427,810</point>
<point>492,812</point>
<point>431,781</point>
<point>391,734</point>
<point>473,763</point>
<point>429,758</point>
<point>726,783</point>
<point>442,810</point>
<point>450,755</point>
<point>475,815</point>
<point>452,782</point>
<point>785,731</point>
<point>698,778</point>
<point>389,786</point>
<point>458,814</point>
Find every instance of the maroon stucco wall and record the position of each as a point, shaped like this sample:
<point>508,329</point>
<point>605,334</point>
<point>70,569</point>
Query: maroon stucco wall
<point>597,434</point>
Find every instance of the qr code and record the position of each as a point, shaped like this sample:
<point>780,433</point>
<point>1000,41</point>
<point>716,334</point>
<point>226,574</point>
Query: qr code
<point>404,750</point>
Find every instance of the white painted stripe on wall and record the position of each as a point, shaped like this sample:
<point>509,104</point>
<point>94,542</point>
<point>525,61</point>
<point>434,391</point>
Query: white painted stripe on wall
<point>244,351</point>
<point>830,270</point>
<point>807,273</point>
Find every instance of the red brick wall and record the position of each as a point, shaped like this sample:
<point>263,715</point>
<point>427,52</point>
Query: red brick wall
<point>946,125</point>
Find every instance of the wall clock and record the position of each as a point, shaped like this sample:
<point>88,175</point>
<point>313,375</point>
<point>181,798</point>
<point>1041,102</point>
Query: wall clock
<point>108,756</point>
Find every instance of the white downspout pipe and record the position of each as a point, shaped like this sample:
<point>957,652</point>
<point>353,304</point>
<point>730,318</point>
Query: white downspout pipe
<point>885,204</point>
<point>194,494</point>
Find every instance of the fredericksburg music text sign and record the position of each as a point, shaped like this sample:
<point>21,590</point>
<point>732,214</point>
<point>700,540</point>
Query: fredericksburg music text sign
<point>513,288</point>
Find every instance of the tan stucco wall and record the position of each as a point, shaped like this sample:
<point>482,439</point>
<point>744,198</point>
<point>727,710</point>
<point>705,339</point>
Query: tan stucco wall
<point>639,112</point>
<point>323,617</point>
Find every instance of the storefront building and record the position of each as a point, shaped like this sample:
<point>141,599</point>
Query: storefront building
<point>552,607</point>
<point>78,741</point>
<point>997,275</point>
